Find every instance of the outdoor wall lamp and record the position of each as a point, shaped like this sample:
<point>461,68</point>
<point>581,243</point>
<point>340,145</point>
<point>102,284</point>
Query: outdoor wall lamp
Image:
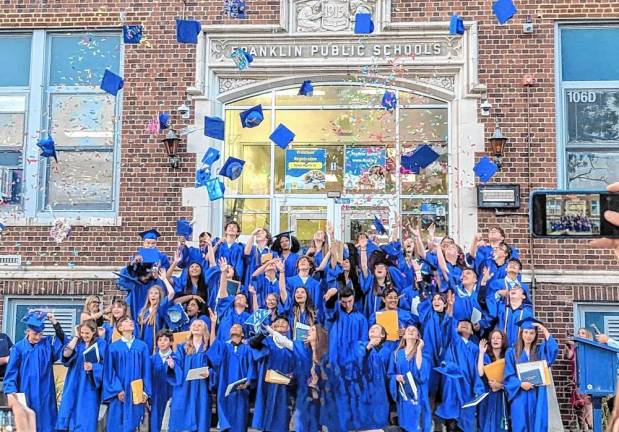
<point>497,142</point>
<point>171,147</point>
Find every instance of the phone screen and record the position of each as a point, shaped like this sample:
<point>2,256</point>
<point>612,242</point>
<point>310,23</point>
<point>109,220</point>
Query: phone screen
<point>572,214</point>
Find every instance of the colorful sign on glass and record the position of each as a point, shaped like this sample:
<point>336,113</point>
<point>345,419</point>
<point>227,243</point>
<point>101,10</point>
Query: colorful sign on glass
<point>305,169</point>
<point>365,168</point>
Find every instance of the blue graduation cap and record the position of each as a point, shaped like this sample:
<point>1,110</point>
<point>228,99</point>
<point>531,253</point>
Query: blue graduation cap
<point>449,369</point>
<point>164,121</point>
<point>527,323</point>
<point>132,34</point>
<point>389,101</point>
<point>214,127</point>
<point>232,168</point>
<point>215,189</point>
<point>504,10</point>
<point>363,23</point>
<point>252,117</point>
<point>306,89</point>
<point>35,320</point>
<point>48,148</point>
<point>184,228</point>
<point>124,278</point>
<point>202,176</point>
<point>485,169</point>
<point>282,136</point>
<point>211,156</point>
<point>257,318</point>
<point>456,25</point>
<point>151,234</point>
<point>175,317</point>
<point>242,59</point>
<point>421,158</point>
<point>187,31</point>
<point>379,226</point>
<point>149,255</point>
<point>111,83</point>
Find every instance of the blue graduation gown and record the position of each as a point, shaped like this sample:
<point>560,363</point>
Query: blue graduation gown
<point>136,291</point>
<point>122,366</point>
<point>234,254</point>
<point>493,411</point>
<point>253,261</point>
<point>264,287</point>
<point>162,391</point>
<point>371,301</point>
<point>405,318</point>
<point>287,309</point>
<point>436,331</point>
<point>311,285</point>
<point>30,371</point>
<point>410,411</point>
<point>458,391</point>
<point>394,251</point>
<point>148,332</point>
<point>233,362</point>
<point>374,365</point>
<point>529,409</point>
<point>307,406</point>
<point>228,317</point>
<point>190,408</point>
<point>290,263</point>
<point>81,394</point>
<point>508,317</point>
<point>271,411</point>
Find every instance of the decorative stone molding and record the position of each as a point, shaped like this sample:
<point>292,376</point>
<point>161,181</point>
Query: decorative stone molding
<point>446,82</point>
<point>227,84</point>
<point>316,16</point>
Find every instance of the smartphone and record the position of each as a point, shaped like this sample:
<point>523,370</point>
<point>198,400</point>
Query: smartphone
<point>596,330</point>
<point>572,214</point>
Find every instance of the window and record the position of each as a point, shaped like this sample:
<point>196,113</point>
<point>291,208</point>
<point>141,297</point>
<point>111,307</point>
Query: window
<point>603,316</point>
<point>588,105</point>
<point>51,86</point>
<point>67,312</point>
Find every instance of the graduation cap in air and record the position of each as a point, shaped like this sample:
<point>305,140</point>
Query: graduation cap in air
<point>187,31</point>
<point>184,228</point>
<point>232,168</point>
<point>111,83</point>
<point>419,159</point>
<point>164,121</point>
<point>125,279</point>
<point>47,146</point>
<point>256,319</point>
<point>504,10</point>
<point>363,23</point>
<point>35,320</point>
<point>149,255</point>
<point>211,156</point>
<point>379,225</point>
<point>175,317</point>
<point>306,89</point>
<point>527,323</point>
<point>389,101</point>
<point>485,169</point>
<point>203,175</point>
<point>456,25</point>
<point>252,117</point>
<point>242,59</point>
<point>214,127</point>
<point>132,34</point>
<point>215,189</point>
<point>151,234</point>
<point>282,136</point>
<point>449,369</point>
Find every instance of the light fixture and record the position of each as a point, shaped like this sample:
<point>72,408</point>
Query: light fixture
<point>497,142</point>
<point>171,147</point>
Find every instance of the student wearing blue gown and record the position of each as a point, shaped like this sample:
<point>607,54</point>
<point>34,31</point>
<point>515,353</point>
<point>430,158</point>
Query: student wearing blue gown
<point>497,287</point>
<point>405,318</point>
<point>496,267</point>
<point>230,309</point>
<point>149,241</point>
<point>232,250</point>
<point>373,356</point>
<point>195,308</point>
<point>136,279</point>
<point>346,327</point>
<point>258,245</point>
<point>233,361</point>
<point>450,264</point>
<point>411,402</point>
<point>482,250</point>
<point>528,403</point>
<point>320,254</point>
<point>303,278</point>
<point>374,281</point>
<point>162,390</point>
<point>81,393</point>
<point>128,360</point>
<point>151,317</point>
<point>510,310</point>
<point>493,411</point>
<point>403,255</point>
<point>271,411</point>
<point>118,310</point>
<point>286,246</point>
<point>268,278</point>
<point>190,407</point>
<point>193,279</point>
<point>30,368</point>
<point>299,308</point>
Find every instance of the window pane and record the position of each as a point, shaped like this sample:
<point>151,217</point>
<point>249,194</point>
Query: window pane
<point>407,98</point>
<point>249,213</point>
<point>592,118</point>
<point>432,180</point>
<point>81,179</point>
<point>424,212</point>
<point>16,72</point>
<point>423,125</point>
<point>591,170</point>
<point>262,99</point>
<point>331,95</point>
<point>81,60</point>
<point>83,120</point>
<point>590,54</point>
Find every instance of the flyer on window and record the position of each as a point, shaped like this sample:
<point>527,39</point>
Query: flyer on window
<point>365,168</point>
<point>306,169</point>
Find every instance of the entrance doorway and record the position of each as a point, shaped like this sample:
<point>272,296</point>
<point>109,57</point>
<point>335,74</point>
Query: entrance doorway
<point>303,215</point>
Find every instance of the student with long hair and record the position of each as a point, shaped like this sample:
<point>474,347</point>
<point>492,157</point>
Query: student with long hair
<point>198,275</point>
<point>259,244</point>
<point>300,308</point>
<point>286,246</point>
<point>406,363</point>
<point>320,253</point>
<point>528,403</point>
<point>151,317</point>
<point>119,309</point>
<point>92,310</point>
<point>303,278</point>
<point>493,411</point>
<point>374,279</point>
<point>268,278</point>
<point>81,394</point>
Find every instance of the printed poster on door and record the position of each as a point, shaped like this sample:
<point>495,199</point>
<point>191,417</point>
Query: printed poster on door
<point>305,169</point>
<point>364,168</point>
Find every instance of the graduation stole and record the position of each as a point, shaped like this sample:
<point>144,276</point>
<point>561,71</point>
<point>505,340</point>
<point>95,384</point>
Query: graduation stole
<point>508,309</point>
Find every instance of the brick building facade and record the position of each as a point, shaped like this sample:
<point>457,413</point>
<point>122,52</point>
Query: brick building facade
<point>573,285</point>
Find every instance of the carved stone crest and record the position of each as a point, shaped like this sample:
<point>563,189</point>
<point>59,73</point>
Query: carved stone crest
<point>328,15</point>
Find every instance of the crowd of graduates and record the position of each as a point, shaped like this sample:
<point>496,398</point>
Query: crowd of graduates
<point>276,337</point>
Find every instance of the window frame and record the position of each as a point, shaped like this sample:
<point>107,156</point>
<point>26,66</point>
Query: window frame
<point>581,308</point>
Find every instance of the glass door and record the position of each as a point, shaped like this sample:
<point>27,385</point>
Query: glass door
<point>304,216</point>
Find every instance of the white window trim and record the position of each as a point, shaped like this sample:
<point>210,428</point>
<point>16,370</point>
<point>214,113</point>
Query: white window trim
<point>580,308</point>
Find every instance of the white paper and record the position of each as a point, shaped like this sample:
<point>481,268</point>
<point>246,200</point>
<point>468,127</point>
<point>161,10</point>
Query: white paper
<point>414,305</point>
<point>196,374</point>
<point>476,401</point>
<point>476,316</point>
<point>231,386</point>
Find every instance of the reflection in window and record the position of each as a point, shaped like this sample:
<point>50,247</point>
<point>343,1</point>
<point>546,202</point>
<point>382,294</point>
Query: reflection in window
<point>425,212</point>
<point>591,170</point>
<point>250,213</point>
<point>12,139</point>
<point>16,71</point>
<point>83,120</point>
